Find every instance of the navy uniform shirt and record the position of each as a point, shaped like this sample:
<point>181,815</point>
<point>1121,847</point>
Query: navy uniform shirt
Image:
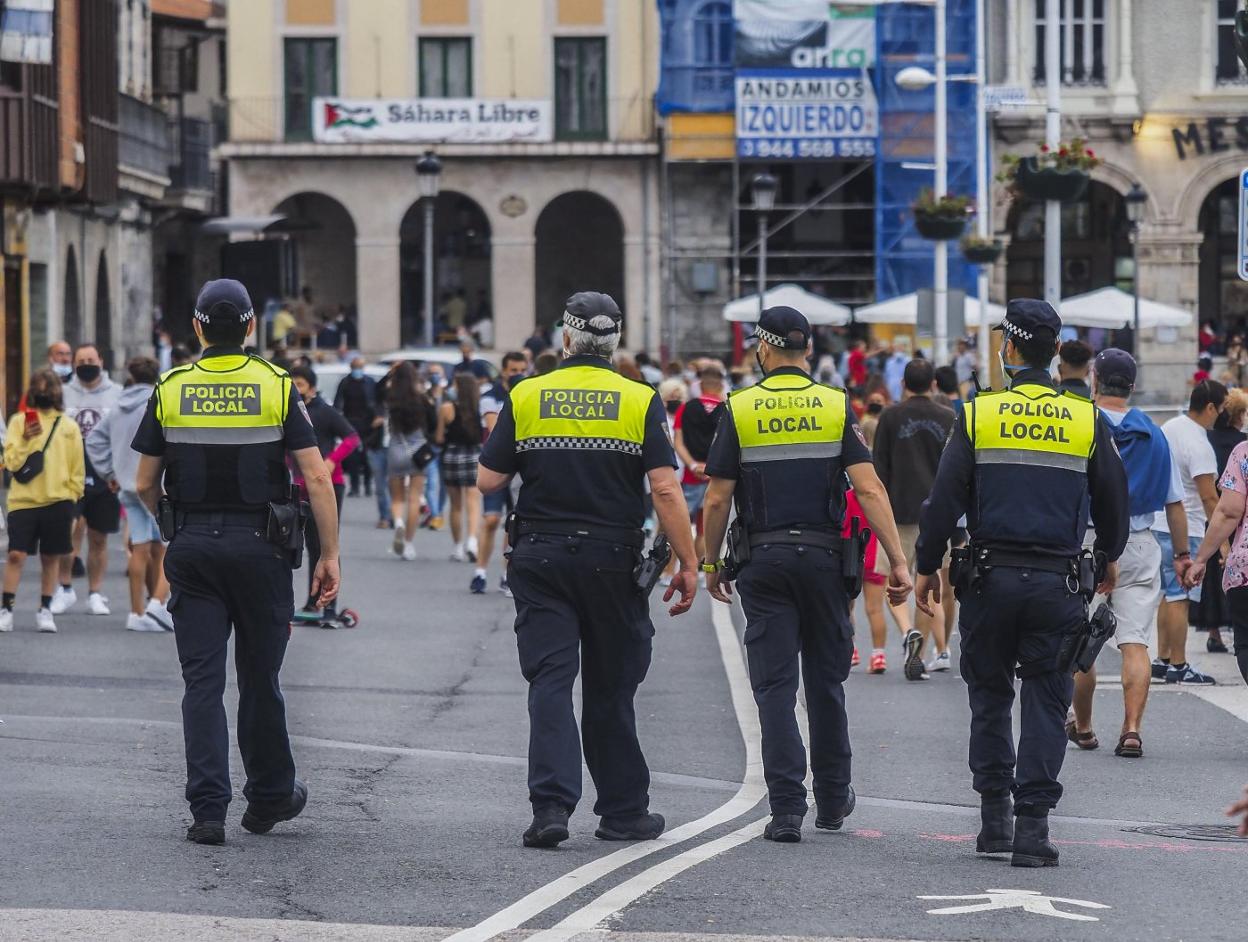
<point>799,491</point>
<point>603,488</point>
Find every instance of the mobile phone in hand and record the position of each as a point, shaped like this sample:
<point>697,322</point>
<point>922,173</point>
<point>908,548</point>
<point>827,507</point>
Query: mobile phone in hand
<point>32,422</point>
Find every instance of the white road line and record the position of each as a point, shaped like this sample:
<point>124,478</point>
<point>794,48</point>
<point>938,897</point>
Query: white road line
<point>1229,698</point>
<point>752,789</point>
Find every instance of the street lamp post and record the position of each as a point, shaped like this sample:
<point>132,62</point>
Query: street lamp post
<point>428,172</point>
<point>763,191</point>
<point>1136,200</point>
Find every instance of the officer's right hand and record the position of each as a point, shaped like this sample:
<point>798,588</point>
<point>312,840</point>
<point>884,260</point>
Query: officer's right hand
<point>719,587</point>
<point>927,585</point>
<point>686,583</point>
<point>325,581</point>
<point>900,586</point>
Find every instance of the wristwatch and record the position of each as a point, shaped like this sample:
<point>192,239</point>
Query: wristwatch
<point>704,566</point>
<point>1183,555</point>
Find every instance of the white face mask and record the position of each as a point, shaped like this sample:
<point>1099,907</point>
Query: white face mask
<point>1007,370</point>
<point>62,370</point>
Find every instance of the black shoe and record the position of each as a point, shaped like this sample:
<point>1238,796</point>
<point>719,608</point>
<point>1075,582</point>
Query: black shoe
<point>832,820</point>
<point>78,570</point>
<point>996,835</point>
<point>549,827</point>
<point>1031,843</point>
<point>1215,645</point>
<point>644,827</point>
<point>784,829</point>
<point>1159,668</point>
<point>913,669</point>
<point>206,832</point>
<point>263,822</point>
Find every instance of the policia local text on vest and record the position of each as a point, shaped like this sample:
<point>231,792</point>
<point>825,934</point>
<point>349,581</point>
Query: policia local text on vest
<point>1027,466</point>
<point>783,449</point>
<point>215,440</point>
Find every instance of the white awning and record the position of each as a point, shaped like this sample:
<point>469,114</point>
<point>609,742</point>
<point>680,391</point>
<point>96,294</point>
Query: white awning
<point>225,225</point>
<point>904,309</point>
<point>1114,309</point>
<point>819,311</point>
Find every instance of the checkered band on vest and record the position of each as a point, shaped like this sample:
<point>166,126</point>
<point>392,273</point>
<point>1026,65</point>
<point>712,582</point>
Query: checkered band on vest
<point>579,444</point>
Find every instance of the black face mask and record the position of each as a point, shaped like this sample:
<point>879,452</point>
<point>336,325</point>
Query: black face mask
<point>87,372</point>
<point>43,401</point>
<point>673,406</point>
<point>875,408</point>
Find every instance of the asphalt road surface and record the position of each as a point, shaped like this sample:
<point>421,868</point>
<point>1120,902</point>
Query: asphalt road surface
<point>411,731</point>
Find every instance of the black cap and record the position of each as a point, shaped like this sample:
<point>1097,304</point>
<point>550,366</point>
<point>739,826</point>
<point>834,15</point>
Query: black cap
<point>1026,317</point>
<point>584,306</point>
<point>777,325</point>
<point>1115,368</point>
<point>223,301</point>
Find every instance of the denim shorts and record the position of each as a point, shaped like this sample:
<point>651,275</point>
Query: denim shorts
<point>143,527</point>
<point>695,494</point>
<point>1171,589</point>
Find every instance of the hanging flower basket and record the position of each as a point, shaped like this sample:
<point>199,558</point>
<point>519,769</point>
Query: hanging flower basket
<point>1059,174</point>
<point>943,219</point>
<point>979,251</point>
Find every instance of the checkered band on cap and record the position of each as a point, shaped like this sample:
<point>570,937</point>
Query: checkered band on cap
<point>1016,331</point>
<point>205,317</point>
<point>774,339</point>
<point>579,323</point>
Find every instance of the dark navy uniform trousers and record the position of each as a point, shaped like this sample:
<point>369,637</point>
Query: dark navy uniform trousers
<point>795,605</point>
<point>1016,617</point>
<point>576,604</point>
<point>222,575</point>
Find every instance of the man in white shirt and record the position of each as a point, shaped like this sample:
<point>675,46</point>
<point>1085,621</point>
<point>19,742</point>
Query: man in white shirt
<point>1198,467</point>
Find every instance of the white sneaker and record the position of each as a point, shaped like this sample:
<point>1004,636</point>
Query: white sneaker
<point>44,621</point>
<point>397,543</point>
<point>941,662</point>
<point>63,600</point>
<point>471,549</point>
<point>142,623</point>
<point>97,604</point>
<point>459,555</point>
<point>409,551</point>
<point>157,612</point>
<point>6,620</point>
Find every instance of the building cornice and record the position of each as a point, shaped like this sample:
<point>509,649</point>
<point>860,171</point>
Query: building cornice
<point>236,150</point>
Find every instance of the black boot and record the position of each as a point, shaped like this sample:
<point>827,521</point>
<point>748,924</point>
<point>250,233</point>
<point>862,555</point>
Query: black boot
<point>262,821</point>
<point>644,827</point>
<point>832,819</point>
<point>206,832</point>
<point>996,835</point>
<point>1031,843</point>
<point>784,829</point>
<point>549,827</point>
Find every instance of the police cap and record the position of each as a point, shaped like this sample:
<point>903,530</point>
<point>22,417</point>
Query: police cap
<point>779,326</point>
<point>584,306</point>
<point>1115,368</point>
<point>1025,318</point>
<point>223,301</point>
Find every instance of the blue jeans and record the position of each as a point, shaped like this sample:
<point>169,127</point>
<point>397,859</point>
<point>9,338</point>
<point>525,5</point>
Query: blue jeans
<point>435,493</point>
<point>377,461</point>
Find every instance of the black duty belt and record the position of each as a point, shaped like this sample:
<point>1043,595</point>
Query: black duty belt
<point>621,535</point>
<point>240,518</point>
<point>820,539</point>
<point>1014,560</point>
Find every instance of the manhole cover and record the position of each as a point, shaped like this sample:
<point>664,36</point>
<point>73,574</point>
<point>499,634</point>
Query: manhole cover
<point>1191,832</point>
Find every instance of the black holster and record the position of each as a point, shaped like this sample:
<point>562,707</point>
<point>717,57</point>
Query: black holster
<point>649,568</point>
<point>738,553</point>
<point>1081,645</point>
<point>285,529</point>
<point>961,570</point>
<point>853,558</point>
<point>167,518</point>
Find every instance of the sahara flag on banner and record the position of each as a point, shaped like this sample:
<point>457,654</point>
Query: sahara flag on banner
<point>430,120</point>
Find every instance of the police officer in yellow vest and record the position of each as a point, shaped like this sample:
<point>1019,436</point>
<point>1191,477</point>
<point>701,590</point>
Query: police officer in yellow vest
<point>1026,465</point>
<point>584,440</point>
<point>214,440</point>
<point>784,449</point>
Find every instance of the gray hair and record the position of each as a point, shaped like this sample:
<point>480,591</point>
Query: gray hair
<point>584,343</point>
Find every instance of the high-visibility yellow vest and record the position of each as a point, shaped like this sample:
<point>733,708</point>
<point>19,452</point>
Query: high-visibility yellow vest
<point>1033,425</point>
<point>227,400</point>
<point>581,408</point>
<point>788,416</point>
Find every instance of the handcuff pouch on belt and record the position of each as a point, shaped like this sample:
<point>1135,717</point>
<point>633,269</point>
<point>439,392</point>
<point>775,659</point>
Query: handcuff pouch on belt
<point>167,518</point>
<point>853,557</point>
<point>738,553</point>
<point>284,529</point>
<point>649,568</point>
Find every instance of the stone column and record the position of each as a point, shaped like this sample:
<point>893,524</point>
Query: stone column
<point>377,291</point>
<point>1169,273</point>
<point>513,272</point>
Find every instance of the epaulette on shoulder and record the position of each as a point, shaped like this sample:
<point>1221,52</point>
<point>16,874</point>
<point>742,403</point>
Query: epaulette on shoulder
<point>1074,395</point>
<point>174,371</point>
<point>990,392</point>
<point>277,370</point>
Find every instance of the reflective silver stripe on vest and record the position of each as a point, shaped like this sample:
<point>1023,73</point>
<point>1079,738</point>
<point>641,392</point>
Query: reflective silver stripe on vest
<point>754,453</point>
<point>1043,459</point>
<point>224,436</point>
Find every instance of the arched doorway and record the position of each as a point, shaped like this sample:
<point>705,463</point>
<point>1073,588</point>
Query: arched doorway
<point>461,265</point>
<point>104,313</point>
<point>71,302</point>
<point>1096,245</point>
<point>580,247</point>
<point>322,233</point>
<point>1223,297</point>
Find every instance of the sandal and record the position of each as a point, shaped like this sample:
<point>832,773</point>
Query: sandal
<point>1135,751</point>
<point>1086,740</point>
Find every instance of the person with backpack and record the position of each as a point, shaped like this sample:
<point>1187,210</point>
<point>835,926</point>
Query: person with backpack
<point>694,426</point>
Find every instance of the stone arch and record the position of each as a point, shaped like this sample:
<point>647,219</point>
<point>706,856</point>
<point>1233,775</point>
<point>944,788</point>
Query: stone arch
<point>1223,298</point>
<point>579,247</point>
<point>71,301</point>
<point>1187,207</point>
<point>322,233</point>
<point>462,245</point>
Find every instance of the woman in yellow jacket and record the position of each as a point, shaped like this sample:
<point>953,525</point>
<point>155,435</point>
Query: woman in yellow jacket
<point>41,511</point>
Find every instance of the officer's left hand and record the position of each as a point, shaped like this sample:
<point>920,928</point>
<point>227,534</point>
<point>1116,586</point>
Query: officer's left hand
<point>686,583</point>
<point>1110,580</point>
<point>719,587</point>
<point>927,585</point>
